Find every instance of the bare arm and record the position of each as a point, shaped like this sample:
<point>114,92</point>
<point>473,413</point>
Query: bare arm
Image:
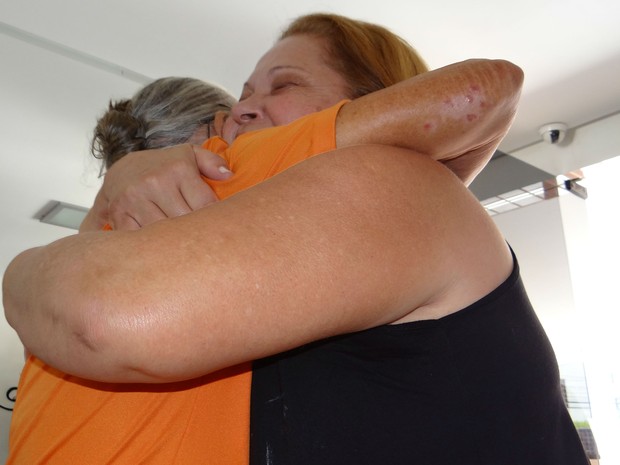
<point>310,253</point>
<point>457,114</point>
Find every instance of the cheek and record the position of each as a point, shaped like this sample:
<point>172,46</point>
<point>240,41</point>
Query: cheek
<point>290,109</point>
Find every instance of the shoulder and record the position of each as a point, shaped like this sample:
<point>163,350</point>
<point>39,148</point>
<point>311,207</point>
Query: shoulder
<point>444,243</point>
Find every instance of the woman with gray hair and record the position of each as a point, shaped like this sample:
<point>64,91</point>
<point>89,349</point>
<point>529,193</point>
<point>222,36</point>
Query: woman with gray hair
<point>168,111</point>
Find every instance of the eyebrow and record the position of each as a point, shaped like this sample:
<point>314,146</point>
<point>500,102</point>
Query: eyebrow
<point>275,69</point>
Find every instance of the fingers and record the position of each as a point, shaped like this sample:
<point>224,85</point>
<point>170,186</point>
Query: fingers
<point>197,193</point>
<point>211,165</point>
<point>148,186</point>
<point>128,218</point>
<point>151,198</point>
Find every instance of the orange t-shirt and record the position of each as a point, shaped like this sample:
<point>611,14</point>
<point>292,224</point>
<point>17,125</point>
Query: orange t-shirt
<point>62,419</point>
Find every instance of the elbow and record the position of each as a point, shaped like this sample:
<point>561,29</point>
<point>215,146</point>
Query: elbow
<point>501,91</point>
<point>509,77</point>
<point>78,338</point>
<point>103,339</point>
<point>86,329</point>
<point>77,332</point>
<point>511,72</point>
<point>93,344</point>
<point>120,344</point>
<point>498,79</point>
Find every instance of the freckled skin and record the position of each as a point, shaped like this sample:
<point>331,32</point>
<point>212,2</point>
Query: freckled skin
<point>468,99</point>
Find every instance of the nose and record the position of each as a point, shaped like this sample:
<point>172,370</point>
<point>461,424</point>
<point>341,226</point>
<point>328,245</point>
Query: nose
<point>246,111</point>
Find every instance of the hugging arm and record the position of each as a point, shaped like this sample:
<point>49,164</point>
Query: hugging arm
<point>316,251</point>
<point>457,115</point>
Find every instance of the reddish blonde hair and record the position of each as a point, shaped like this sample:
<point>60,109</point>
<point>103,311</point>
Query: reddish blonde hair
<point>368,56</point>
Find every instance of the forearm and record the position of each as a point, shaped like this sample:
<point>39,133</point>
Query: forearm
<point>457,114</point>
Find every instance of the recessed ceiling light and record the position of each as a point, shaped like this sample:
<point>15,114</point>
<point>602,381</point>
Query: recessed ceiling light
<point>62,214</point>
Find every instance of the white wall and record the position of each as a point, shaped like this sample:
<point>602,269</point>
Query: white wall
<point>536,234</point>
<point>569,254</point>
<point>594,253</point>
<point>591,232</point>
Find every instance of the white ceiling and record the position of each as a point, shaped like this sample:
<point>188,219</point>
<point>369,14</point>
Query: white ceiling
<point>570,51</point>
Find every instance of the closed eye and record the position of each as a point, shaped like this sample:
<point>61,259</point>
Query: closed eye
<point>283,85</point>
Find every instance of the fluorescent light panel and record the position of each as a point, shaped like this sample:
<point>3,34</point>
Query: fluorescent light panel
<point>63,214</point>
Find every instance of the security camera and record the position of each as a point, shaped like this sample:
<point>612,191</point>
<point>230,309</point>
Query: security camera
<point>553,133</point>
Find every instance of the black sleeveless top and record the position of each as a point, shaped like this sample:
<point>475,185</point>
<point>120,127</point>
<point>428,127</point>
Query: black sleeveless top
<point>478,387</point>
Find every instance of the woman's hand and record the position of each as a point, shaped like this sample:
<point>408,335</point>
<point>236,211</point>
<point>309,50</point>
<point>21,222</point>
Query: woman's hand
<point>147,186</point>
